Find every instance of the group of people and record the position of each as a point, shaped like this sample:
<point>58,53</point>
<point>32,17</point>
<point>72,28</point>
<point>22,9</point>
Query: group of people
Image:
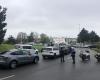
<point>71,51</point>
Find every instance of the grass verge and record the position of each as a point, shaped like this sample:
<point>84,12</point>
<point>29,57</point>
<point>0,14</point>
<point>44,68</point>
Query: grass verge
<point>38,46</point>
<point>6,47</point>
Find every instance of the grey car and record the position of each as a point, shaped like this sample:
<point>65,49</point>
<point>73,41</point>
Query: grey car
<point>15,57</point>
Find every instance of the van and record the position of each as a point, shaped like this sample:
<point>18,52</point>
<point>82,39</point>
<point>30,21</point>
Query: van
<point>26,47</point>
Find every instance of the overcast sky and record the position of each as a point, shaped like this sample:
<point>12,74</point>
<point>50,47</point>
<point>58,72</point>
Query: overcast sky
<point>53,17</point>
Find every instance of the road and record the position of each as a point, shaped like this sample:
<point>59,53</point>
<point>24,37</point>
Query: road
<point>55,70</point>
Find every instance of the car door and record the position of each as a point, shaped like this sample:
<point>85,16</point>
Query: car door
<point>27,56</point>
<point>22,56</point>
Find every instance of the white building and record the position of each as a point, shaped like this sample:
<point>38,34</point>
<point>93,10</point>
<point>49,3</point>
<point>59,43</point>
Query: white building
<point>59,40</point>
<point>71,40</point>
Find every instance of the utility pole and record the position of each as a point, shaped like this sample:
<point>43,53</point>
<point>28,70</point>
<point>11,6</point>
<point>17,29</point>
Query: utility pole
<point>79,28</point>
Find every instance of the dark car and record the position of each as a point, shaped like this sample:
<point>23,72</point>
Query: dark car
<point>15,57</point>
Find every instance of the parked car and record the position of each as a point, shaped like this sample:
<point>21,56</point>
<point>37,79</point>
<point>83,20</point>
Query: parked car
<point>50,52</point>
<point>15,57</point>
<point>26,47</point>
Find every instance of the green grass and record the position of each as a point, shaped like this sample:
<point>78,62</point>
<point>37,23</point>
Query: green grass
<point>6,47</point>
<point>96,49</point>
<point>39,47</point>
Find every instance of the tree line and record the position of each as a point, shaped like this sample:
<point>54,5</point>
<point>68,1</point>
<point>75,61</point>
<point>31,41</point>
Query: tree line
<point>87,37</point>
<point>24,38</point>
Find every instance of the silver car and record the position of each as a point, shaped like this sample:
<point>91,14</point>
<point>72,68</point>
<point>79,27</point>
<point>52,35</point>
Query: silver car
<point>15,57</point>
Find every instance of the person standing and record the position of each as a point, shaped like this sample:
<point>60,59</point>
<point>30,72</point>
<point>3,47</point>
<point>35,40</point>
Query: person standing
<point>62,54</point>
<point>73,54</point>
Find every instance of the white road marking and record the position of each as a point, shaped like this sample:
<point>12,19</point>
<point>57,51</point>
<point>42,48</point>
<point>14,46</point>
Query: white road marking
<point>7,77</point>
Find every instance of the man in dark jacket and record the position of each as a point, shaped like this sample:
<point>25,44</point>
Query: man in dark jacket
<point>73,55</point>
<point>62,54</point>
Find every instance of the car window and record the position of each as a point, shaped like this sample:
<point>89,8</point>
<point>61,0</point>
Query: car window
<point>14,53</point>
<point>27,47</point>
<point>20,52</point>
<point>47,49</point>
<point>55,48</point>
<point>25,52</point>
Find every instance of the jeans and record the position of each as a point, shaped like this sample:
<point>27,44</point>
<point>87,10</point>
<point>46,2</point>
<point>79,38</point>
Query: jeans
<point>62,59</point>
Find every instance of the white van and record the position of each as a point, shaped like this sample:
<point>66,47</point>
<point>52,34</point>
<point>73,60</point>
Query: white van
<point>50,52</point>
<point>26,47</point>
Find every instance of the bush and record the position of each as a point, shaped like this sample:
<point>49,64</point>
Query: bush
<point>38,46</point>
<point>6,47</point>
<point>97,50</point>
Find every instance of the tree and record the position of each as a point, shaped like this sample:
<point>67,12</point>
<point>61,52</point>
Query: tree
<point>2,23</point>
<point>33,37</point>
<point>44,38</point>
<point>93,37</point>
<point>83,36</point>
<point>11,40</point>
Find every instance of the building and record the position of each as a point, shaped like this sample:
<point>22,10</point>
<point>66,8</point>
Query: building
<point>59,40</point>
<point>72,41</point>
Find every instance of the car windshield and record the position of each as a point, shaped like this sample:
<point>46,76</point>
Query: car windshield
<point>27,47</point>
<point>47,49</point>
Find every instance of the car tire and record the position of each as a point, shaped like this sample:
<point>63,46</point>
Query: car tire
<point>13,64</point>
<point>36,59</point>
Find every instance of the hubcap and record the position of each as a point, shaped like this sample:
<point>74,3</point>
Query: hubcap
<point>13,65</point>
<point>36,60</point>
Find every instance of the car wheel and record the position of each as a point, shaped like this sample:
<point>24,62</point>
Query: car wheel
<point>13,64</point>
<point>36,60</point>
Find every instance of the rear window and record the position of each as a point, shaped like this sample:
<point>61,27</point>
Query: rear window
<point>55,49</point>
<point>27,47</point>
<point>47,49</point>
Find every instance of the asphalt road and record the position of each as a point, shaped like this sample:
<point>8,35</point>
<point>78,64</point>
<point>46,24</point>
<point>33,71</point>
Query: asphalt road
<point>55,70</point>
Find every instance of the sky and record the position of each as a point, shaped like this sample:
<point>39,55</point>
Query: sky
<point>53,17</point>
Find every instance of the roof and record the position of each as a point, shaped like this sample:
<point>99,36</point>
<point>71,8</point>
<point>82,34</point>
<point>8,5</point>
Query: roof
<point>23,45</point>
<point>50,47</point>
